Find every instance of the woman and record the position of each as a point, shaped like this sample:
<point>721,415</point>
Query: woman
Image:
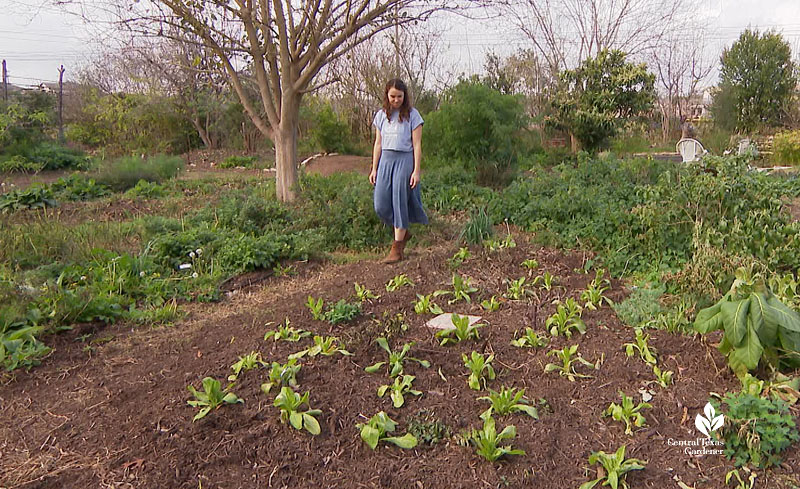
<point>395,171</point>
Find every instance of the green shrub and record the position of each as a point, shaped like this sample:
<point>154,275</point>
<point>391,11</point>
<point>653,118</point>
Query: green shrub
<point>323,129</point>
<point>76,187</point>
<point>786,148</point>
<point>238,161</point>
<point>19,163</point>
<point>146,189</point>
<point>249,214</point>
<point>478,228</point>
<point>757,430</point>
<point>56,157</point>
<point>125,173</point>
<point>37,196</point>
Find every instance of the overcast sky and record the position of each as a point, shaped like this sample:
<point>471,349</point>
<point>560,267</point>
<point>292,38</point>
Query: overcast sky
<point>36,40</point>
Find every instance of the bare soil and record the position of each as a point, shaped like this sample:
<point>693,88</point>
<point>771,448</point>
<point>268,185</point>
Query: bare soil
<point>114,415</point>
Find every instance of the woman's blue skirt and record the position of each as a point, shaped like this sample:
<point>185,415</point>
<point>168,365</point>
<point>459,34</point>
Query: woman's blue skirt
<point>396,203</point>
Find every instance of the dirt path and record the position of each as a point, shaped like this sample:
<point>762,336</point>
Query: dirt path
<point>115,415</point>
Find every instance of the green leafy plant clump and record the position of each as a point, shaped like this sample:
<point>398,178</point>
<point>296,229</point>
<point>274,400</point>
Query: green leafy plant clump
<point>289,402</point>
<point>461,330</point>
<point>757,430</point>
<point>480,369</point>
<point>212,397</point>
<point>398,390</point>
<point>377,428</point>
<point>757,326</point>
<point>627,413</point>
<point>487,441</point>
<point>396,359</point>
<point>508,401</point>
<point>615,467</point>
<point>342,312</point>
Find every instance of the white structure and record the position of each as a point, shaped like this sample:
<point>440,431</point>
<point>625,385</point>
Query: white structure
<point>690,149</point>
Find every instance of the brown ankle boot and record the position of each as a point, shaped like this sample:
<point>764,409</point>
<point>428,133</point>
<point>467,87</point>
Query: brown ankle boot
<point>407,236</point>
<point>396,254</point>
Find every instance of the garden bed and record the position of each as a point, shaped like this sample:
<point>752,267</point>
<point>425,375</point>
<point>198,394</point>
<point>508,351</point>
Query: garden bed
<point>109,409</point>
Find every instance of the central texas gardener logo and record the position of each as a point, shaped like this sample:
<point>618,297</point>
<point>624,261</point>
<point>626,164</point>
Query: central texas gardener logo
<point>710,422</point>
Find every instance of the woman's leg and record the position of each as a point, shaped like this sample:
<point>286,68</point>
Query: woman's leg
<point>400,234</point>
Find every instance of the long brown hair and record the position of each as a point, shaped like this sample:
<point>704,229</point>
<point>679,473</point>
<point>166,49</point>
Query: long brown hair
<point>405,109</point>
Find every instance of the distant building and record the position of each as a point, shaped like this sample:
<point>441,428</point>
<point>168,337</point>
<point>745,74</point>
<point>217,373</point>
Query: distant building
<point>700,106</point>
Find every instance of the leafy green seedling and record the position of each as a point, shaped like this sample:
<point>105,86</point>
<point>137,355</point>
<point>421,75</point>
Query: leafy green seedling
<point>640,345</point>
<point>315,307</point>
<point>664,378</point>
<point>480,369</point>
<point>740,483</point>
<point>615,467</point>
<point>341,312</point>
<point>285,332</point>
<point>531,339</point>
<point>396,359</point>
<point>247,362</point>
<point>282,375</point>
<point>530,264</point>
<point>566,318</point>
<point>546,281</point>
<point>212,397</point>
<point>508,401</point>
<point>326,346</point>
<point>627,413</point>
<point>398,389</point>
<point>364,294</point>
<point>399,281</point>
<point>425,305</point>
<point>516,289</point>
<point>462,330</point>
<point>593,295</point>
<point>375,430</point>
<point>567,369</point>
<point>487,440</point>
<point>459,257</point>
<point>289,402</point>
<point>281,271</point>
<point>462,289</point>
<point>491,304</point>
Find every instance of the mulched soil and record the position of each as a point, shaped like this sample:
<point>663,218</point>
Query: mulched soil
<point>116,416</point>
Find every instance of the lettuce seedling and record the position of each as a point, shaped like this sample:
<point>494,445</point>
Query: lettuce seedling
<point>247,362</point>
<point>615,467</point>
<point>530,264</point>
<point>627,413</point>
<point>645,352</point>
<point>285,332</point>
<point>212,397</point>
<point>566,368</point>
<point>531,339</point>
<point>399,281</point>
<point>341,312</point>
<point>508,401</point>
<point>281,375</point>
<point>664,378</point>
<point>593,295</point>
<point>326,346</point>
<point>516,289</point>
<point>462,330</point>
<point>315,307</point>
<point>396,359</point>
<point>364,294</point>
<point>462,289</point>
<point>487,440</point>
<point>425,305</point>
<point>547,281</point>
<point>491,305</point>
<point>480,369</point>
<point>375,430</point>
<point>398,389</point>
<point>459,257</point>
<point>566,318</point>
<point>288,401</point>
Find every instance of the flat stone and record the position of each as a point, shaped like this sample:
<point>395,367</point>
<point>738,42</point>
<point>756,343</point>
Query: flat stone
<point>445,321</point>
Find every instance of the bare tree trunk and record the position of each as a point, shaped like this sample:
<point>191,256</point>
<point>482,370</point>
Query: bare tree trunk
<point>201,131</point>
<point>286,148</point>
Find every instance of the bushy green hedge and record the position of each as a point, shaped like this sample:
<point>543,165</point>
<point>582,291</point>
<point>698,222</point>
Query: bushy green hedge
<point>786,148</point>
<point>124,173</point>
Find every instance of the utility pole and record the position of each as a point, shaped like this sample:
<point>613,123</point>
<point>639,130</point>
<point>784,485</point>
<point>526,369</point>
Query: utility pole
<point>5,82</point>
<point>61,103</point>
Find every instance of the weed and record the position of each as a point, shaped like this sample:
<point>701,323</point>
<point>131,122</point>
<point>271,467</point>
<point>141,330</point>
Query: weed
<point>640,345</point>
<point>341,312</point>
<point>399,388</point>
<point>480,369</point>
<point>425,305</point>
<point>212,397</point>
<point>530,339</point>
<point>627,413</point>
<point>247,362</point>
<point>396,359</point>
<point>282,375</point>
<point>281,271</point>
<point>487,440</point>
<point>427,428</point>
<point>398,281</point>
<point>375,430</point>
<point>462,330</point>
<point>508,401</point>
<point>289,402</point>
<point>567,368</point>
<point>478,228</point>
<point>459,258</point>
<point>615,468</point>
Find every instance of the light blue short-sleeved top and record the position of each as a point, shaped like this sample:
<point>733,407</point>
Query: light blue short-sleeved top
<point>396,135</point>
